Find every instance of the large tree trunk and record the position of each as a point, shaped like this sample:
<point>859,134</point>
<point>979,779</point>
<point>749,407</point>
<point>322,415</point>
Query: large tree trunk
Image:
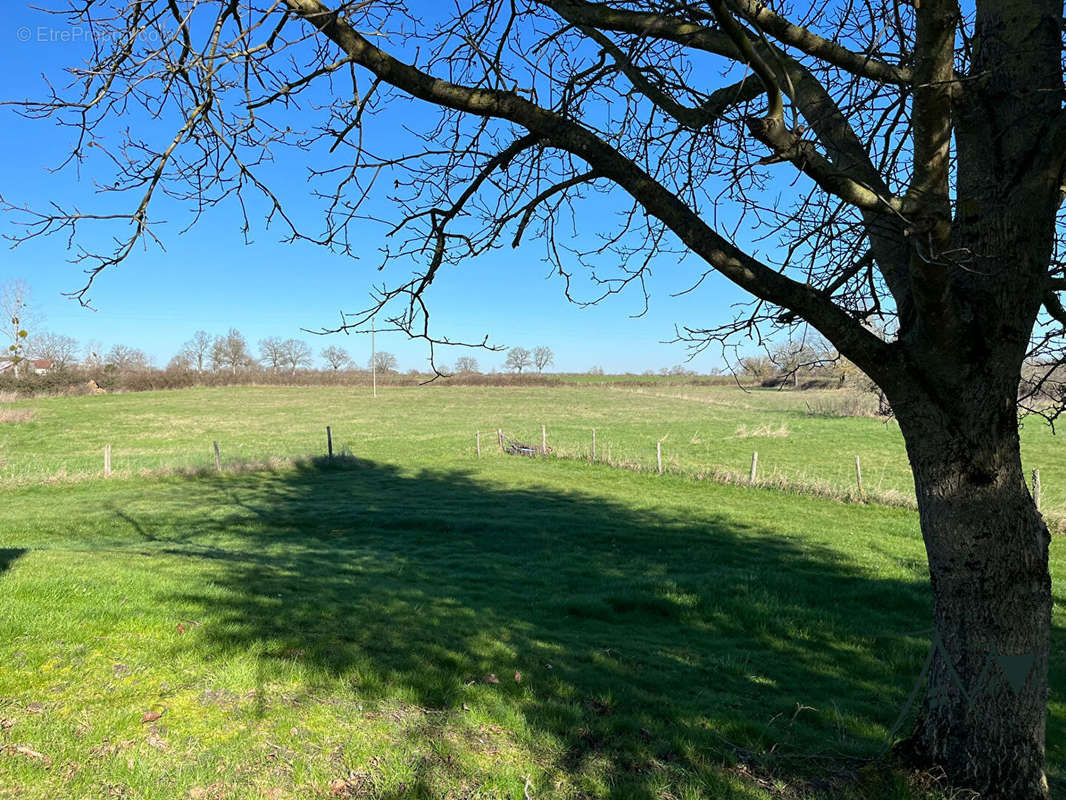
<point>983,716</point>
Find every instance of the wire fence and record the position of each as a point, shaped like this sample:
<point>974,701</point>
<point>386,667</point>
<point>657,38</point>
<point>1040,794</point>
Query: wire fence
<point>658,460</point>
<point>841,476</point>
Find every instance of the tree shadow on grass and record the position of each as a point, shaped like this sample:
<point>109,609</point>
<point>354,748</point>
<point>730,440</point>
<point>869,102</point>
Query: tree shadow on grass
<point>9,556</point>
<point>649,645</point>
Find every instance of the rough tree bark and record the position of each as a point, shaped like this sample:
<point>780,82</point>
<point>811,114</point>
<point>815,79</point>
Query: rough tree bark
<point>983,715</point>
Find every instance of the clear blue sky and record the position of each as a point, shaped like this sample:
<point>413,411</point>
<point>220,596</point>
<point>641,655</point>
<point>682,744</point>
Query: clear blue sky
<point>209,279</point>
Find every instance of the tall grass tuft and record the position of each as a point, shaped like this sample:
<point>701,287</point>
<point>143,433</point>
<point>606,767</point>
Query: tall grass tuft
<point>844,404</point>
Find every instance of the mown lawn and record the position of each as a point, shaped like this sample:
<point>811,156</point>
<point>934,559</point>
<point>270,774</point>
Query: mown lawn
<point>503,628</point>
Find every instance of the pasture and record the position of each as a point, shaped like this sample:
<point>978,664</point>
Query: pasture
<point>801,441</point>
<point>412,621</point>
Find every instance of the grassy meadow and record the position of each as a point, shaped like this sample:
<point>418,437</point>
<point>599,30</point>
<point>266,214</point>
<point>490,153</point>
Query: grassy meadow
<point>799,437</point>
<point>411,621</point>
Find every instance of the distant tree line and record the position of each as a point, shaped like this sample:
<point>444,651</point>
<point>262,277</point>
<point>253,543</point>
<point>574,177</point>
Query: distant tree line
<point>217,359</point>
<point>202,353</point>
<point>519,358</point>
<point>229,358</point>
<point>231,353</point>
<point>810,364</point>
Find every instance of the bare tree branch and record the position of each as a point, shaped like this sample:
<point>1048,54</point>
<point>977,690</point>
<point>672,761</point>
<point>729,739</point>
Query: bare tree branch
<point>860,64</point>
<point>558,131</point>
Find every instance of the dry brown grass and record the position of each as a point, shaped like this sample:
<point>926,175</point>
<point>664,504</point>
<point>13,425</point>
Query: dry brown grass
<point>844,404</point>
<point>713,401</point>
<point>16,414</point>
<point>762,431</point>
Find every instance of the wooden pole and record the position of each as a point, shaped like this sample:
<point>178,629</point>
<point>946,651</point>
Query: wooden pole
<point>593,444</point>
<point>107,460</point>
<point>543,440</point>
<point>329,441</point>
<point>858,476</point>
<point>1036,488</point>
<point>477,439</point>
<point>499,439</point>
<point>754,466</point>
<point>659,456</point>
<point>218,459</point>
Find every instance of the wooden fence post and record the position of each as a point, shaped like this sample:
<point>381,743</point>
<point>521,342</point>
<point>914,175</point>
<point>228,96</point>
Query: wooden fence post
<point>659,456</point>
<point>477,439</point>
<point>1036,488</point>
<point>107,460</point>
<point>329,441</point>
<point>218,459</point>
<point>499,439</point>
<point>593,444</point>
<point>858,476</point>
<point>754,466</point>
<point>543,440</point>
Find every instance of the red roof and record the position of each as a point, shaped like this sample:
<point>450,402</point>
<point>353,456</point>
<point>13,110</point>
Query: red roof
<point>36,363</point>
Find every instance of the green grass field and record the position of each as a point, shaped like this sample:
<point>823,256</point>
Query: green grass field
<point>413,621</point>
<point>701,428</point>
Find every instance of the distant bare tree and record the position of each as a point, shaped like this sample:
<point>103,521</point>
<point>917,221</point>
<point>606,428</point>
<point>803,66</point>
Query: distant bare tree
<point>296,354</point>
<point>127,359</point>
<point>196,351</point>
<point>758,368</point>
<point>336,357</point>
<point>518,358</point>
<point>94,354</point>
<point>795,358</point>
<point>230,352</point>
<point>272,352</point>
<point>466,365</point>
<point>543,357</point>
<point>55,347</point>
<point>385,361</point>
<point>180,362</point>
